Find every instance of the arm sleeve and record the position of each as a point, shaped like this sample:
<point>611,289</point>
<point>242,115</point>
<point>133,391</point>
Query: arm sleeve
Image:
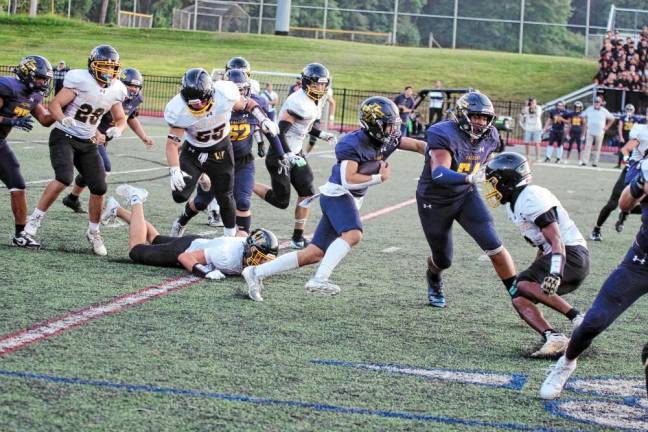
<point>547,218</point>
<point>283,127</point>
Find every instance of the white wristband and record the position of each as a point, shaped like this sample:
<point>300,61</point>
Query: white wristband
<point>376,179</point>
<point>556,263</point>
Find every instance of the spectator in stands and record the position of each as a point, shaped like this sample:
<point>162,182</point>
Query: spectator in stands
<point>437,102</point>
<point>597,120</point>
<point>530,120</point>
<point>272,98</point>
<point>59,76</point>
<point>405,104</point>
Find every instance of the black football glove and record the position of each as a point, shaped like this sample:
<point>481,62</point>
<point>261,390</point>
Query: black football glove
<point>261,151</point>
<point>24,123</point>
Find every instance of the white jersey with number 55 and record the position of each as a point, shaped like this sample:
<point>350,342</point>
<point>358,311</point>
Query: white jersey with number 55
<point>210,128</point>
<point>92,101</point>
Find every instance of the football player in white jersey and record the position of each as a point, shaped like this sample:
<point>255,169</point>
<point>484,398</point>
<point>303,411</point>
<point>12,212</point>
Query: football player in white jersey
<point>87,95</point>
<point>296,118</point>
<point>563,259</point>
<point>326,101</point>
<point>201,113</point>
<point>204,257</point>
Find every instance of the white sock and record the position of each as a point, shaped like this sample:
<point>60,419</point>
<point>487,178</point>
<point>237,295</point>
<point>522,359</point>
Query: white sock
<point>549,151</point>
<point>334,254</point>
<point>38,213</point>
<point>229,232</point>
<point>559,152</point>
<point>567,361</point>
<point>281,264</point>
<point>94,227</point>
<point>135,199</point>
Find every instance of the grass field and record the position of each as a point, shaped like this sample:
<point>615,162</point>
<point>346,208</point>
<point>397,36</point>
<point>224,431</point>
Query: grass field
<point>353,65</point>
<point>204,357</point>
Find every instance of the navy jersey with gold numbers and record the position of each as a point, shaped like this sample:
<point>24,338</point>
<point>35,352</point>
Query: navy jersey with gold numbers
<point>17,99</point>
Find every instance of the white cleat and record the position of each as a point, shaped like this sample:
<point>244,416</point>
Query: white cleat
<point>577,320</point>
<point>177,230</point>
<point>214,219</point>
<point>33,223</point>
<point>97,243</point>
<point>553,385</point>
<point>322,287</point>
<point>129,192</point>
<point>255,285</point>
<point>109,212</point>
<point>556,344</point>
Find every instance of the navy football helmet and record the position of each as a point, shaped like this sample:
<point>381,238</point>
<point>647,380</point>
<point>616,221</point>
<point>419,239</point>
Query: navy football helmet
<point>197,90</point>
<point>240,78</point>
<point>474,103</point>
<point>35,67</point>
<point>239,63</point>
<point>103,64</point>
<point>260,246</point>
<point>504,174</point>
<point>312,77</point>
<point>133,78</point>
<point>379,118</point>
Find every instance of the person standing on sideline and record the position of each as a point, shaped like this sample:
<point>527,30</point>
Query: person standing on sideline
<point>405,104</point>
<point>272,98</point>
<point>575,133</point>
<point>556,126</point>
<point>59,76</point>
<point>597,120</point>
<point>437,102</point>
<point>531,123</point>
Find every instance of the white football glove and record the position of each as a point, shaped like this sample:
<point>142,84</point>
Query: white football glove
<point>270,127</point>
<point>113,133</point>
<point>478,177</point>
<point>327,136</point>
<point>177,178</point>
<point>68,122</point>
<point>294,159</point>
<point>215,275</point>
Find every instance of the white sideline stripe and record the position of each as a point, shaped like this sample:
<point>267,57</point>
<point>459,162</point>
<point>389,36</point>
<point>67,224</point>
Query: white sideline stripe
<point>445,375</point>
<point>390,249</point>
<point>576,167</point>
<point>47,140</point>
<point>112,173</point>
<point>54,326</point>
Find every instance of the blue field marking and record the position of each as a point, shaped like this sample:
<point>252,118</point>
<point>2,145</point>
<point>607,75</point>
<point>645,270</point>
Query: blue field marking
<point>623,387</point>
<point>403,415</point>
<point>476,377</point>
<point>631,414</point>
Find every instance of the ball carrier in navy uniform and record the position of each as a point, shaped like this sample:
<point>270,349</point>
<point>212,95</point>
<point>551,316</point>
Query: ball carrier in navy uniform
<point>133,81</point>
<point>623,287</point>
<point>361,162</point>
<point>243,125</point>
<point>296,118</point>
<point>562,262</point>
<point>201,113</point>
<point>456,150</point>
<point>86,96</point>
<point>20,97</point>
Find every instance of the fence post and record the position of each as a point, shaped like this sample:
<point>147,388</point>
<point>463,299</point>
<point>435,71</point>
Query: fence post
<point>521,41</point>
<point>454,24</point>
<point>325,19</point>
<point>395,23</point>
<point>587,24</point>
<point>260,17</point>
<point>344,92</point>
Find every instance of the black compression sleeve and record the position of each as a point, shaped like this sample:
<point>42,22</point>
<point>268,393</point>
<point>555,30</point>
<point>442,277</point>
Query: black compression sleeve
<point>547,218</point>
<point>283,128</point>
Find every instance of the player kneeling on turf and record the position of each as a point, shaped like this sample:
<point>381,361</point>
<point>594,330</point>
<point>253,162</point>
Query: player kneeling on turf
<point>563,259</point>
<point>360,163</point>
<point>204,257</point>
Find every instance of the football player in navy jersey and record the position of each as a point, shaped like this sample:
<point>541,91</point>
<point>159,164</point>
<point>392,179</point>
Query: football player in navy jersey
<point>133,81</point>
<point>623,287</point>
<point>243,126</point>
<point>456,150</point>
<point>340,227</point>
<point>20,97</point>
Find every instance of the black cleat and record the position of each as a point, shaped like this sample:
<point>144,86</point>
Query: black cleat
<point>596,235</point>
<point>618,226</point>
<point>73,204</point>
<point>26,241</point>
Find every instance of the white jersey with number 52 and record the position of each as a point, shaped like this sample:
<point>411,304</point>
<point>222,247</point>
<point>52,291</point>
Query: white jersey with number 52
<point>210,128</point>
<point>92,101</point>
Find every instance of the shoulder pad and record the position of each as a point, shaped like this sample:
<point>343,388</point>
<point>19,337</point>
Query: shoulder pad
<point>120,90</point>
<point>227,90</point>
<point>176,113</point>
<point>299,104</point>
<point>6,87</point>
<point>77,79</point>
<point>535,201</point>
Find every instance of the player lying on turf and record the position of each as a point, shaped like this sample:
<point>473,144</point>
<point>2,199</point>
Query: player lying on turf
<point>563,260</point>
<point>624,286</point>
<point>204,257</point>
<point>360,163</point>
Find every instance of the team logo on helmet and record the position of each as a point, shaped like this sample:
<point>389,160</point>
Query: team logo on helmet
<point>35,67</point>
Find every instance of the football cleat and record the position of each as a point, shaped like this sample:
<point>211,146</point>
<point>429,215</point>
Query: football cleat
<point>97,243</point>
<point>298,244</point>
<point>33,223</point>
<point>618,226</point>
<point>132,193</point>
<point>109,212</point>
<point>214,219</point>
<point>436,296</point>
<point>177,230</point>
<point>596,234</point>
<point>322,287</point>
<point>26,241</point>
<point>577,320</point>
<point>547,160</point>
<point>255,286</point>
<point>555,344</point>
<point>553,385</point>
<point>74,204</point>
